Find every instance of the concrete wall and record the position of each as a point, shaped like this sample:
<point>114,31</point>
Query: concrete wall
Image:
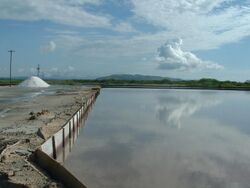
<point>52,153</point>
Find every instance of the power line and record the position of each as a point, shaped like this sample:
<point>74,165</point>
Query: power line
<point>11,51</point>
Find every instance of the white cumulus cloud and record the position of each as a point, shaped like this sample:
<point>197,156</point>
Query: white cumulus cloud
<point>203,24</point>
<point>50,47</point>
<point>172,57</point>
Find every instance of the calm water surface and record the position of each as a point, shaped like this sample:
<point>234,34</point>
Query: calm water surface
<point>138,138</point>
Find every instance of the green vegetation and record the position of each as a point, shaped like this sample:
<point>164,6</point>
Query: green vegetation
<point>5,81</point>
<point>202,83</point>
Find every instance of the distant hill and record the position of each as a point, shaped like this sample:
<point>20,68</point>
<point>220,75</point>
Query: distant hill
<point>134,77</point>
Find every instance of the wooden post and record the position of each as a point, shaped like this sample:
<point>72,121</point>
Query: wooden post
<point>54,147</point>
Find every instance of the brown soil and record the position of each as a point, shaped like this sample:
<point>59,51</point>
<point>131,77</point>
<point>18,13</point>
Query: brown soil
<point>24,129</point>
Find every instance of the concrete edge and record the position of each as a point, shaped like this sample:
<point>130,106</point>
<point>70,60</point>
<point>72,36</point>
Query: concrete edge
<point>46,155</point>
<point>56,170</point>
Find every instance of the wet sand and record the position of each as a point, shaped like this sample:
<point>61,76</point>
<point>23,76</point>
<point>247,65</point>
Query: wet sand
<point>27,119</point>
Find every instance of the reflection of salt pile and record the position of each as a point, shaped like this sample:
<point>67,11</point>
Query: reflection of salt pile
<point>33,81</point>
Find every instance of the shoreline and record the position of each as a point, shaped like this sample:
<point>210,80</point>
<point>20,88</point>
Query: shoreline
<point>27,126</point>
<point>146,86</point>
<point>173,87</point>
<point>22,135</point>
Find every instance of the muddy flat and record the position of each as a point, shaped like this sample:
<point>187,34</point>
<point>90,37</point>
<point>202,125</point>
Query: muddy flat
<point>27,118</point>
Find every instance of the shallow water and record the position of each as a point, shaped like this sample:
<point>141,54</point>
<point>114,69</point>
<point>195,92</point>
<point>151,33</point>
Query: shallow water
<point>165,138</point>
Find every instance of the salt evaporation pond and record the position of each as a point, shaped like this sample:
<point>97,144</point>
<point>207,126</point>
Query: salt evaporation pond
<point>138,138</point>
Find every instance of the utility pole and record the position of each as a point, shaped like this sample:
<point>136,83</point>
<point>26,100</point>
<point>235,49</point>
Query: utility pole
<point>11,51</point>
<point>38,70</point>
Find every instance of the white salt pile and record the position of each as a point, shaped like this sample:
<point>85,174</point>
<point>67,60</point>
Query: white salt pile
<point>33,82</point>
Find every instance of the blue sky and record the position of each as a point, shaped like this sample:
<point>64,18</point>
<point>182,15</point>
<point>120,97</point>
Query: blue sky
<point>187,39</point>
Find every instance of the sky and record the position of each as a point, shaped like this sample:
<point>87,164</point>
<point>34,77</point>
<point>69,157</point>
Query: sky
<point>188,39</point>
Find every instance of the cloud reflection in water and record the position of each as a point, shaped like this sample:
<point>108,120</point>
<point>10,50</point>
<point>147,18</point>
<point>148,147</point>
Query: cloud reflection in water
<point>124,144</point>
<point>171,109</point>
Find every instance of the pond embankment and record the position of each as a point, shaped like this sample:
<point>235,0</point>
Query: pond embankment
<point>26,125</point>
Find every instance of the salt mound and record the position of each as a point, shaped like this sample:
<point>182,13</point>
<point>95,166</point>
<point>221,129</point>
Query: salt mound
<point>33,81</point>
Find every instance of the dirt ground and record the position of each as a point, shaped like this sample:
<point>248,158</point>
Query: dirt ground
<point>25,124</point>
